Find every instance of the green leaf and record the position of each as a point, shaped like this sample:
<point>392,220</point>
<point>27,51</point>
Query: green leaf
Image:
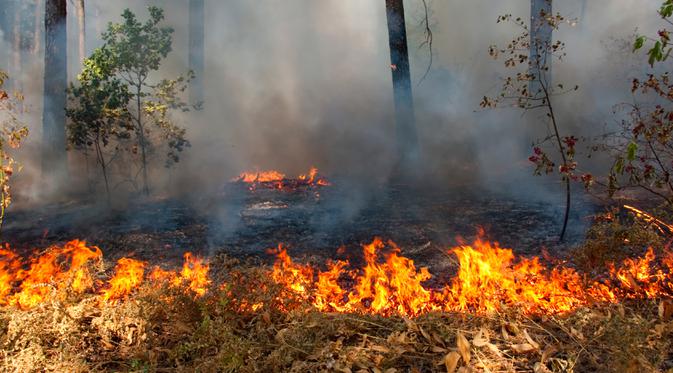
<point>631,150</point>
<point>640,41</point>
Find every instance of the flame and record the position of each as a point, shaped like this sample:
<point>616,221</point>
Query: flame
<point>58,268</point>
<point>128,277</point>
<point>277,180</point>
<point>69,269</point>
<point>489,279</point>
<point>260,177</point>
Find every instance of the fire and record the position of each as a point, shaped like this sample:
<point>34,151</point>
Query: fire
<point>277,180</point>
<point>489,279</point>
<point>128,276</point>
<point>260,177</point>
<point>58,268</point>
<point>71,269</point>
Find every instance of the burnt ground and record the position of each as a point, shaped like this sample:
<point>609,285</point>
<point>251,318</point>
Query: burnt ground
<point>314,222</point>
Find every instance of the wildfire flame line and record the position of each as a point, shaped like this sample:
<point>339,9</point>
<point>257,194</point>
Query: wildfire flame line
<point>71,267</point>
<point>277,180</point>
<point>489,278</point>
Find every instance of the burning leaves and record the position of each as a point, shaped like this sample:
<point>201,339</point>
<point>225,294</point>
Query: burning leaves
<point>277,180</point>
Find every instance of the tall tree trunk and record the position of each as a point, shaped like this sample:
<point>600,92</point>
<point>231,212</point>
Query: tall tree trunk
<point>196,49</point>
<point>16,48</point>
<point>81,28</point>
<point>541,32</point>
<point>407,139</point>
<point>7,28</point>
<point>37,34</point>
<point>54,162</point>
<point>583,14</point>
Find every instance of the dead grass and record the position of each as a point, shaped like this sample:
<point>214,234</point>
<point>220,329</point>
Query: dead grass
<point>160,330</point>
<point>163,330</point>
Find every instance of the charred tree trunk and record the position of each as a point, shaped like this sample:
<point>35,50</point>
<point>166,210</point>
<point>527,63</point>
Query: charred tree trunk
<point>54,166</point>
<point>540,45</point>
<point>407,139</point>
<point>81,28</point>
<point>196,49</point>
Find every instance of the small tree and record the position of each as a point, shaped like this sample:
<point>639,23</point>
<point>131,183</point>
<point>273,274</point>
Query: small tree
<point>529,88</point>
<point>12,133</point>
<point>642,149</point>
<point>117,102</point>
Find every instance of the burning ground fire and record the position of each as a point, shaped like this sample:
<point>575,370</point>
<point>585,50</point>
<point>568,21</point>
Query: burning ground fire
<point>489,279</point>
<point>278,180</point>
<point>72,267</point>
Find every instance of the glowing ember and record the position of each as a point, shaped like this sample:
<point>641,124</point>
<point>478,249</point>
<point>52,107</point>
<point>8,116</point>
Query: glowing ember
<point>278,180</point>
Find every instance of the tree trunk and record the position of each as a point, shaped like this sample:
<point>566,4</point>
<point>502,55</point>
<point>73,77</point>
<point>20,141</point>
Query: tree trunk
<point>583,14</point>
<point>407,139</point>
<point>54,162</point>
<point>16,45</point>
<point>81,28</point>
<point>37,35</point>
<point>541,33</point>
<point>196,49</point>
<point>7,28</point>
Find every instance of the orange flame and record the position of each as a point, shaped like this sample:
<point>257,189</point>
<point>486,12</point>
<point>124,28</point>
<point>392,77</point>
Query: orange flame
<point>277,180</point>
<point>128,276</point>
<point>260,177</point>
<point>489,279</point>
<point>58,268</point>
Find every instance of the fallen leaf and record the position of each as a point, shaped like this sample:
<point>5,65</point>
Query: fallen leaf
<point>666,310</point>
<point>451,361</point>
<point>480,340</point>
<point>530,340</point>
<point>523,348</point>
<point>463,347</point>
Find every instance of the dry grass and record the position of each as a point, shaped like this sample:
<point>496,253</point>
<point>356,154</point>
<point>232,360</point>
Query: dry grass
<point>164,330</point>
<point>159,330</point>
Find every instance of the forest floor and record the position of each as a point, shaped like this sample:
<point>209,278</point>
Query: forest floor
<point>163,328</point>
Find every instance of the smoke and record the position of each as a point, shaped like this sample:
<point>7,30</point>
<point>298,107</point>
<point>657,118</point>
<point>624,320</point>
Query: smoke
<point>307,83</point>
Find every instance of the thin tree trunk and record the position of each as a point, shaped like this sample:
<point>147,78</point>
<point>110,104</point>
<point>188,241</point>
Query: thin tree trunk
<point>407,139</point>
<point>16,46</point>
<point>583,14</point>
<point>196,49</point>
<point>541,33</point>
<point>37,36</point>
<point>54,160</point>
<point>81,27</point>
<point>7,21</point>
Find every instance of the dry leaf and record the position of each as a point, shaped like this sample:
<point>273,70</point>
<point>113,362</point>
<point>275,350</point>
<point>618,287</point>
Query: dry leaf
<point>494,349</point>
<point>463,347</point>
<point>451,361</point>
<point>666,310</point>
<point>548,352</point>
<point>530,340</point>
<point>481,339</point>
<point>523,348</point>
